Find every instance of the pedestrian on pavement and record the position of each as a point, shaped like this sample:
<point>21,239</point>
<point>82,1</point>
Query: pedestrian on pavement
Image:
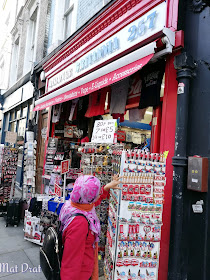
<point>80,255</point>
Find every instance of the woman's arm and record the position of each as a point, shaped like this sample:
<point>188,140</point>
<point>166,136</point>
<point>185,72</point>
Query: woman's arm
<point>74,237</point>
<point>112,185</point>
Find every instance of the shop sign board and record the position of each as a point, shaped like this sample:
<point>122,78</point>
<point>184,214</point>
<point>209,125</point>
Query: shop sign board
<point>103,131</point>
<point>58,190</point>
<point>11,137</point>
<point>96,84</point>
<point>64,166</point>
<point>137,31</point>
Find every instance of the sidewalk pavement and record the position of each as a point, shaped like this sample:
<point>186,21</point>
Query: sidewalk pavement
<point>19,259</point>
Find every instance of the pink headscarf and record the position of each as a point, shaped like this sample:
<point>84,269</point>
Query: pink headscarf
<point>86,190</point>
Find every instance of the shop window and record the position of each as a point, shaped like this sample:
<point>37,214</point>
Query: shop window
<point>18,114</point>
<point>12,116</point>
<point>13,126</point>
<point>68,10</point>
<point>30,112</point>
<point>6,121</point>
<point>21,127</point>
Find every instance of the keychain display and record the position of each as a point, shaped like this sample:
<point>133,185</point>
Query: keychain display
<point>9,169</point>
<point>29,168</point>
<point>97,160</point>
<point>135,216</point>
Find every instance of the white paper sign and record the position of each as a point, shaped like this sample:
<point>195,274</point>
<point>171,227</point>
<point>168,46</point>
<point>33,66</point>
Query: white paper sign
<point>11,137</point>
<point>103,131</point>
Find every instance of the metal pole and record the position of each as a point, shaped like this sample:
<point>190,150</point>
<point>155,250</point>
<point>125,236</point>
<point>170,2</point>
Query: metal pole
<point>64,187</point>
<point>184,65</point>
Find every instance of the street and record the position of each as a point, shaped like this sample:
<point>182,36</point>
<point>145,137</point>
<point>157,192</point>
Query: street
<point>19,259</point>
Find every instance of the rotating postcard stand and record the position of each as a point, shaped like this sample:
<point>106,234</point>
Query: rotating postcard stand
<point>135,217</point>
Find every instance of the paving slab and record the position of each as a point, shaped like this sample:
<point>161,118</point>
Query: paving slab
<point>33,255</point>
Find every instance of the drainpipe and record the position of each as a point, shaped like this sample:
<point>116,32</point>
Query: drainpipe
<point>184,65</point>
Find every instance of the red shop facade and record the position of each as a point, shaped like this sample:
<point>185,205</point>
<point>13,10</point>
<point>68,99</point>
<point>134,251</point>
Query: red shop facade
<point>134,33</point>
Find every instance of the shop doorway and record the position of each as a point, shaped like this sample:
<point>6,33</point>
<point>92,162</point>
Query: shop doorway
<point>42,124</point>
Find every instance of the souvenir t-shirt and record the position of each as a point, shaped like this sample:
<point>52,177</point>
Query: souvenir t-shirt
<point>119,93</point>
<point>135,89</point>
<point>96,103</point>
<point>56,113</point>
<point>73,106</point>
<point>82,121</point>
<point>152,76</point>
<point>136,115</point>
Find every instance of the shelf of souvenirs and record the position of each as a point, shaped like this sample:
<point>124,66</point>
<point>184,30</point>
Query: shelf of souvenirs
<point>113,203</point>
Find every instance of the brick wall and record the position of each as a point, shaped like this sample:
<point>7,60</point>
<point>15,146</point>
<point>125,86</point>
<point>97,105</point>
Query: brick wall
<point>87,9</point>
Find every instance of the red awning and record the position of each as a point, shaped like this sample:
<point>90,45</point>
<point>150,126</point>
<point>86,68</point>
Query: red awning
<point>93,85</point>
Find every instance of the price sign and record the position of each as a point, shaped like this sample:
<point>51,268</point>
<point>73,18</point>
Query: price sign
<point>11,137</point>
<point>64,166</point>
<point>58,190</point>
<point>103,131</point>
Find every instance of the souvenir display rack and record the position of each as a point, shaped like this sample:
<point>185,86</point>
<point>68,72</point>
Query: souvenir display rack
<point>9,169</point>
<point>135,217</point>
<point>1,159</point>
<point>29,169</point>
<point>97,160</point>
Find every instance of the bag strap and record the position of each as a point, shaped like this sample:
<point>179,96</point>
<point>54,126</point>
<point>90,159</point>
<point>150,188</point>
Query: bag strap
<point>56,210</point>
<point>80,214</point>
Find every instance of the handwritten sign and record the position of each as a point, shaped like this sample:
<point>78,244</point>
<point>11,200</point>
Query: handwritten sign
<point>11,137</point>
<point>64,166</point>
<point>103,131</point>
<point>58,190</point>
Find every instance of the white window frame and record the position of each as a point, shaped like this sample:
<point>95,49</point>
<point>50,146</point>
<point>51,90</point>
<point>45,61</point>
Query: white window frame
<point>67,13</point>
<point>15,59</point>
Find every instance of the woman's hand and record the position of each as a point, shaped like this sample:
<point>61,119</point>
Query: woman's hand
<point>114,183</point>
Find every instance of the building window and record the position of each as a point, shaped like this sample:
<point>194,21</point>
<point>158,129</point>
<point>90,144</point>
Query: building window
<point>14,66</point>
<point>68,10</point>
<point>1,72</point>
<point>31,41</point>
<point>13,126</point>
<point>33,35</point>
<point>17,121</point>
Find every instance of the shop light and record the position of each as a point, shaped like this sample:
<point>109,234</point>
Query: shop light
<point>148,113</point>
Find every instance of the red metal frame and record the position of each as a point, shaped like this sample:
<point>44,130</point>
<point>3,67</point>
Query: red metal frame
<point>156,129</point>
<point>167,142</point>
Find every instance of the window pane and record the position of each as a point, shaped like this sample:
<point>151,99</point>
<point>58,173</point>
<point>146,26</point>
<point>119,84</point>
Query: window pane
<point>13,126</point>
<point>6,122</point>
<point>18,114</point>
<point>24,112</point>
<point>68,19</point>
<point>22,127</point>
<point>67,3</point>
<point>12,116</point>
<point>30,111</point>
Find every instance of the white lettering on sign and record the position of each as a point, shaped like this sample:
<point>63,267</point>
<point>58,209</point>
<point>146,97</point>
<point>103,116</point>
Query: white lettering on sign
<point>103,131</point>
<point>197,208</point>
<point>194,180</point>
<point>137,31</point>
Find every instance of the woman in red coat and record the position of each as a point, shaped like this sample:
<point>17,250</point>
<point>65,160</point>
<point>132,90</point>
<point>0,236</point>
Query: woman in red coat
<point>80,256</point>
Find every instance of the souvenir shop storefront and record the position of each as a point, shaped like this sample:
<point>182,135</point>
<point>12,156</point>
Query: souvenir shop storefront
<point>111,97</point>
